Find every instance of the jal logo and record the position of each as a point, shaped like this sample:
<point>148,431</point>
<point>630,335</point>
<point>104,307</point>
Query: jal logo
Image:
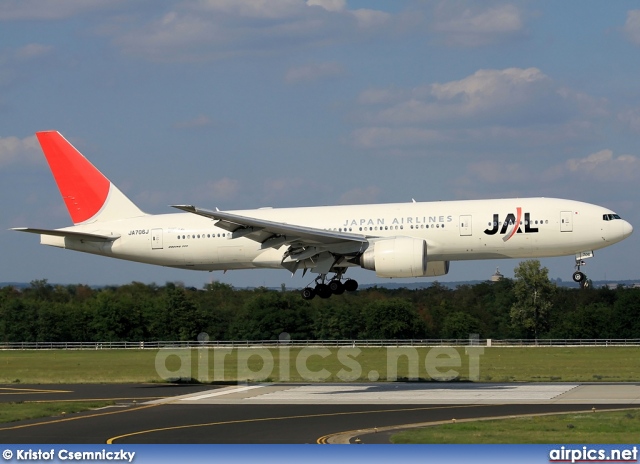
<point>511,225</point>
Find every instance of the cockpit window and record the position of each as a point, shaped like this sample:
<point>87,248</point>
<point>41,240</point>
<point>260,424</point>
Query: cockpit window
<point>610,217</point>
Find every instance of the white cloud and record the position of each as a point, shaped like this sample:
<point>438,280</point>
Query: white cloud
<point>15,150</point>
<point>489,83</point>
<point>314,71</point>
<point>12,60</point>
<point>213,29</point>
<point>603,166</point>
<point>469,26</point>
<point>488,105</point>
<point>384,137</point>
<point>631,27</point>
<point>32,50</point>
<point>277,190</point>
<point>494,95</point>
<point>357,196</point>
<point>210,192</point>
<point>370,18</point>
<point>329,5</point>
<point>197,122</point>
<point>530,176</point>
<point>631,118</point>
<point>494,172</point>
<point>222,189</point>
<point>256,9</point>
<point>20,10</point>
<point>281,185</point>
<point>380,96</point>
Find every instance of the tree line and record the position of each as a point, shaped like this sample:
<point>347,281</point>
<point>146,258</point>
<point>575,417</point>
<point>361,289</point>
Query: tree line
<point>528,306</point>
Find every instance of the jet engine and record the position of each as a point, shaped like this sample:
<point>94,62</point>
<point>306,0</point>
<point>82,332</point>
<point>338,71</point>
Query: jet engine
<point>401,257</point>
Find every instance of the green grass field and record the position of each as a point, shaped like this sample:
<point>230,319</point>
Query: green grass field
<point>543,364</point>
<point>600,427</point>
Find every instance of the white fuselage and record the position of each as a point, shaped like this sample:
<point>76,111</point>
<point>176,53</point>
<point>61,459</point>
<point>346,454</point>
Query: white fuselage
<point>453,230</point>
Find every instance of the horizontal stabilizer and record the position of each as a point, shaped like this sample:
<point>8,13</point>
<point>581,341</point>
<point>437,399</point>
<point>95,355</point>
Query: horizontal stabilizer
<point>71,234</point>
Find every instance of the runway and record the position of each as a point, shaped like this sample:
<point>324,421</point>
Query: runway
<point>294,413</point>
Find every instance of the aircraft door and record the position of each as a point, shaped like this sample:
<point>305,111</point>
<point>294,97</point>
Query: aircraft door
<point>156,239</point>
<point>566,221</point>
<point>465,225</point>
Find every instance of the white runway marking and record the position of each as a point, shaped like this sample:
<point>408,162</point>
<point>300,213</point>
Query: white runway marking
<point>406,393</point>
<point>226,391</point>
<point>416,393</point>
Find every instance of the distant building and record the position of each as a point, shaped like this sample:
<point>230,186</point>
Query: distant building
<point>497,276</point>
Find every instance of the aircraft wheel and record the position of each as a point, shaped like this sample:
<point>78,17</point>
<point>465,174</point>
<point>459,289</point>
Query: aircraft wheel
<point>308,293</point>
<point>336,287</point>
<point>351,285</point>
<point>578,276</point>
<point>323,291</point>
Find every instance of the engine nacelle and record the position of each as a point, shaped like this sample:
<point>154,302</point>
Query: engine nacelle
<point>401,257</point>
<point>396,257</point>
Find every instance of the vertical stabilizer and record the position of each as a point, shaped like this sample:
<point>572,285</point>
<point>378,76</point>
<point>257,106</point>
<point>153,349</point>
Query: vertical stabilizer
<point>87,193</point>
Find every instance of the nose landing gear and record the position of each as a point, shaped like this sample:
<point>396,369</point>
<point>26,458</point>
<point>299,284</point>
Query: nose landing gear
<point>579,276</point>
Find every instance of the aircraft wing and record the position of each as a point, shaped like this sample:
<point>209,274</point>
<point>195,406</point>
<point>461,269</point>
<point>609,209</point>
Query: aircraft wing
<point>241,226</point>
<point>90,237</point>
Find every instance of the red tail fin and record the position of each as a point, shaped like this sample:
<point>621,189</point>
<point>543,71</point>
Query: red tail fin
<point>88,194</point>
<point>83,188</point>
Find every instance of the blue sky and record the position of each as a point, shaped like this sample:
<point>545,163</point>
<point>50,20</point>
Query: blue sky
<point>241,104</point>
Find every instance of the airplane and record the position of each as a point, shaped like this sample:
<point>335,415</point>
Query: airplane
<point>400,240</point>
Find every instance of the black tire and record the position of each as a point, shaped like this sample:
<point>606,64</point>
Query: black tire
<point>308,293</point>
<point>336,287</point>
<point>323,291</point>
<point>578,276</point>
<point>351,285</point>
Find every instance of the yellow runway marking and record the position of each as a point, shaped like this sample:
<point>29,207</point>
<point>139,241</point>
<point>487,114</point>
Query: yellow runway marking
<point>58,421</point>
<point>110,441</point>
<point>26,391</point>
<point>323,440</point>
<point>145,398</point>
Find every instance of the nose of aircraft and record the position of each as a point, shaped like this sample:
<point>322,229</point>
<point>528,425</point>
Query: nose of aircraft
<point>627,229</point>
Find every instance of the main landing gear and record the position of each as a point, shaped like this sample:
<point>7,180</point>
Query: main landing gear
<point>324,288</point>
